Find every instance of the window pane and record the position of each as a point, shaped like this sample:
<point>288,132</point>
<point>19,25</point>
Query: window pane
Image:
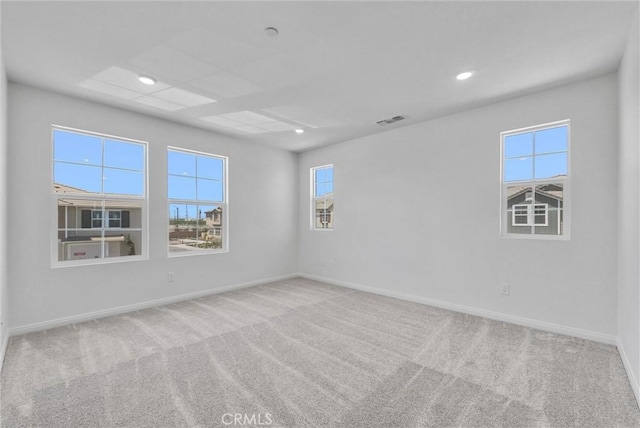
<point>209,167</point>
<point>80,231</point>
<point>321,189</point>
<point>518,169</point>
<point>519,199</point>
<point>114,219</point>
<point>183,164</point>
<point>321,175</point>
<point>96,219</point>
<point>551,140</point>
<point>209,190</point>
<point>329,187</point>
<point>211,230</point>
<point>80,228</point>
<point>518,145</point>
<point>70,177</point>
<point>199,230</point>
<point>118,244</point>
<point>553,196</point>
<point>182,187</point>
<point>72,147</point>
<point>548,166</point>
<point>329,174</point>
<point>123,182</point>
<point>119,154</point>
<point>324,214</point>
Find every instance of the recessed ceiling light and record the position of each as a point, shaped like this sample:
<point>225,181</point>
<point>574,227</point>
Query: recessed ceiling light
<point>464,75</point>
<point>147,80</point>
<point>271,31</point>
<point>299,131</point>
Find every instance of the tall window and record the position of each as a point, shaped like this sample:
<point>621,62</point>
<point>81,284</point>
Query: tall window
<point>535,181</point>
<point>322,198</point>
<point>197,202</point>
<point>99,187</point>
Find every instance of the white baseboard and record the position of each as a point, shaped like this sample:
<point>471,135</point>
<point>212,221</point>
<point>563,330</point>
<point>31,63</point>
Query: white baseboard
<point>45,325</point>
<point>513,319</point>
<point>3,350</point>
<point>635,386</point>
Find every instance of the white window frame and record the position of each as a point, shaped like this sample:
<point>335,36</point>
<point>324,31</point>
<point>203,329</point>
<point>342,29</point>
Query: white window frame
<point>143,199</point>
<point>530,214</point>
<point>315,200</point>
<point>505,218</point>
<point>224,204</point>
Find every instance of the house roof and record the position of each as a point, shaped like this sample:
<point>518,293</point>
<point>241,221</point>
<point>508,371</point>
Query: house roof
<point>63,188</point>
<point>515,191</point>
<point>97,204</point>
<point>89,203</point>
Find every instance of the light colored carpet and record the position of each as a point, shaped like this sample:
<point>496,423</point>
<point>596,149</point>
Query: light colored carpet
<point>300,353</point>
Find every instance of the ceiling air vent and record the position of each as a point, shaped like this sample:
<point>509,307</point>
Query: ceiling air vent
<point>391,120</point>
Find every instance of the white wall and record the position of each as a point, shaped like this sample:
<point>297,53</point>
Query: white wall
<point>417,213</point>
<point>4,296</point>
<point>628,210</point>
<point>262,207</point>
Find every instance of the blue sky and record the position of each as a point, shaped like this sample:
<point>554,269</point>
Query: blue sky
<point>195,177</point>
<point>324,181</point>
<point>99,165</point>
<point>536,155</point>
<point>79,163</point>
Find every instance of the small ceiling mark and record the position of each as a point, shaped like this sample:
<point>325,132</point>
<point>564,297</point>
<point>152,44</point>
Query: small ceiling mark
<point>390,120</point>
<point>271,32</point>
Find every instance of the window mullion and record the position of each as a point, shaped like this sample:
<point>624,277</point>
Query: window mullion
<point>533,182</point>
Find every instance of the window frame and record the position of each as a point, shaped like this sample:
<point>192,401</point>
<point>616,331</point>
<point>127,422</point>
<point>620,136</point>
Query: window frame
<point>314,199</point>
<point>506,218</point>
<point>101,198</point>
<point>224,229</point>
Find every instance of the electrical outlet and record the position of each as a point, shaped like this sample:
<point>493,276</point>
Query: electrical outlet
<point>504,289</point>
<point>170,277</point>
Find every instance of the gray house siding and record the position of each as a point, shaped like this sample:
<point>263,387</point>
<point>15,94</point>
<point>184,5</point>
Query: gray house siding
<point>554,215</point>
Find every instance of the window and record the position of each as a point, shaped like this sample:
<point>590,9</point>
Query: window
<point>99,188</point>
<point>116,218</point>
<point>527,215</point>
<point>197,196</point>
<point>535,181</point>
<point>322,198</point>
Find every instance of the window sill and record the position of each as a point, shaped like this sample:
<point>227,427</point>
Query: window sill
<point>189,253</point>
<point>536,237</point>
<point>92,262</point>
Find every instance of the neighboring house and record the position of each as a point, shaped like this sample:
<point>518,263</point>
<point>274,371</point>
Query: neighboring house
<point>545,212</point>
<point>324,212</point>
<point>83,225</point>
<point>213,218</point>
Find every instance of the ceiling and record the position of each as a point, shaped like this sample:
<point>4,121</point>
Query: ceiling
<point>334,70</point>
